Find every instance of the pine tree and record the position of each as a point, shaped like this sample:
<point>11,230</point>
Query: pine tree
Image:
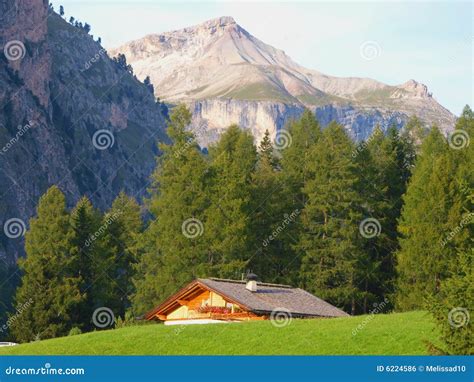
<point>272,261</point>
<point>175,249</point>
<point>305,132</point>
<point>233,159</point>
<point>330,243</point>
<point>9,279</point>
<point>148,281</point>
<point>48,289</point>
<point>266,154</point>
<point>122,226</point>
<point>415,132</point>
<point>384,163</point>
<point>405,154</point>
<point>433,207</point>
<point>149,85</point>
<point>85,222</point>
<point>229,216</point>
<point>453,306</point>
<point>370,157</point>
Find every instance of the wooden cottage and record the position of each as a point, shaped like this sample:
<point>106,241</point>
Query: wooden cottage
<point>219,300</point>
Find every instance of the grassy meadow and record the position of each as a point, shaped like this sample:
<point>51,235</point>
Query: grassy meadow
<point>384,334</point>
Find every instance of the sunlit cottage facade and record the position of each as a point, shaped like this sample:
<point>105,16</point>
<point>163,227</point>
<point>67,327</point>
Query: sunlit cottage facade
<point>214,300</point>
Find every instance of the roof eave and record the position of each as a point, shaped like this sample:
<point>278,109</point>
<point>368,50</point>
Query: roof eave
<point>149,315</point>
<point>152,313</point>
<point>294,314</point>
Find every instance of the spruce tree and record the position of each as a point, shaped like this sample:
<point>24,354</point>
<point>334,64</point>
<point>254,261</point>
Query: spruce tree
<point>415,131</point>
<point>453,306</point>
<point>332,264</point>
<point>85,221</point>
<point>9,279</point>
<point>147,281</point>
<point>384,163</point>
<point>374,205</point>
<point>229,216</point>
<point>305,132</point>
<point>49,290</point>
<point>121,227</point>
<point>273,260</point>
<point>175,248</point>
<point>266,152</point>
<point>433,207</point>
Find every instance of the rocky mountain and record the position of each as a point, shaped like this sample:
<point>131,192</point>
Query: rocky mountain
<point>69,115</point>
<point>228,76</point>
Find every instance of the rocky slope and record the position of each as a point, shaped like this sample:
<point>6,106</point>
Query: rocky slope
<point>229,76</point>
<point>69,116</point>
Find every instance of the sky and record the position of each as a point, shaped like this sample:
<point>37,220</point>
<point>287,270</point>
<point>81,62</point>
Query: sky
<point>390,41</point>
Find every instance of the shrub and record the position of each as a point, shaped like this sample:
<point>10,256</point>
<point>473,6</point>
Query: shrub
<point>75,331</point>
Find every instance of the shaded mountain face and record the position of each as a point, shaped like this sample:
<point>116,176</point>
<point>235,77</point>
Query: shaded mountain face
<point>69,116</point>
<point>229,76</point>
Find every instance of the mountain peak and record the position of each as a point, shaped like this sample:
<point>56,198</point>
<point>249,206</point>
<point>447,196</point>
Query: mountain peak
<point>416,89</point>
<point>219,62</point>
<point>220,22</point>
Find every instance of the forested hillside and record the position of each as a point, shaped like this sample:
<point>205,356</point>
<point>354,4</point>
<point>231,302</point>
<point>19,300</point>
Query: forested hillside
<point>386,223</point>
<point>69,116</point>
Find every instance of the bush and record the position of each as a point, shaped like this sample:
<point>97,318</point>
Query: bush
<point>128,320</point>
<point>75,331</point>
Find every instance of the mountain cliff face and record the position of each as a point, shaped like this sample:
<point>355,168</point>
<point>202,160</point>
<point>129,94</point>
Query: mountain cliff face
<point>69,116</point>
<point>228,76</point>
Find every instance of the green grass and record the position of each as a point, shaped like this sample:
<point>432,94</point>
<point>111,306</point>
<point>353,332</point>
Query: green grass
<point>321,100</point>
<point>391,334</point>
<point>377,96</point>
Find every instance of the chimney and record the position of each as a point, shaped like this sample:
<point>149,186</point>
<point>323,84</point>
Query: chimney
<point>251,282</point>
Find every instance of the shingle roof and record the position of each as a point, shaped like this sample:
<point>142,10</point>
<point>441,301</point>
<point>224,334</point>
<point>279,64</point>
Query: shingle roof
<point>269,297</point>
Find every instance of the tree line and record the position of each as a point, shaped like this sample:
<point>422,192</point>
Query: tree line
<point>355,224</point>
